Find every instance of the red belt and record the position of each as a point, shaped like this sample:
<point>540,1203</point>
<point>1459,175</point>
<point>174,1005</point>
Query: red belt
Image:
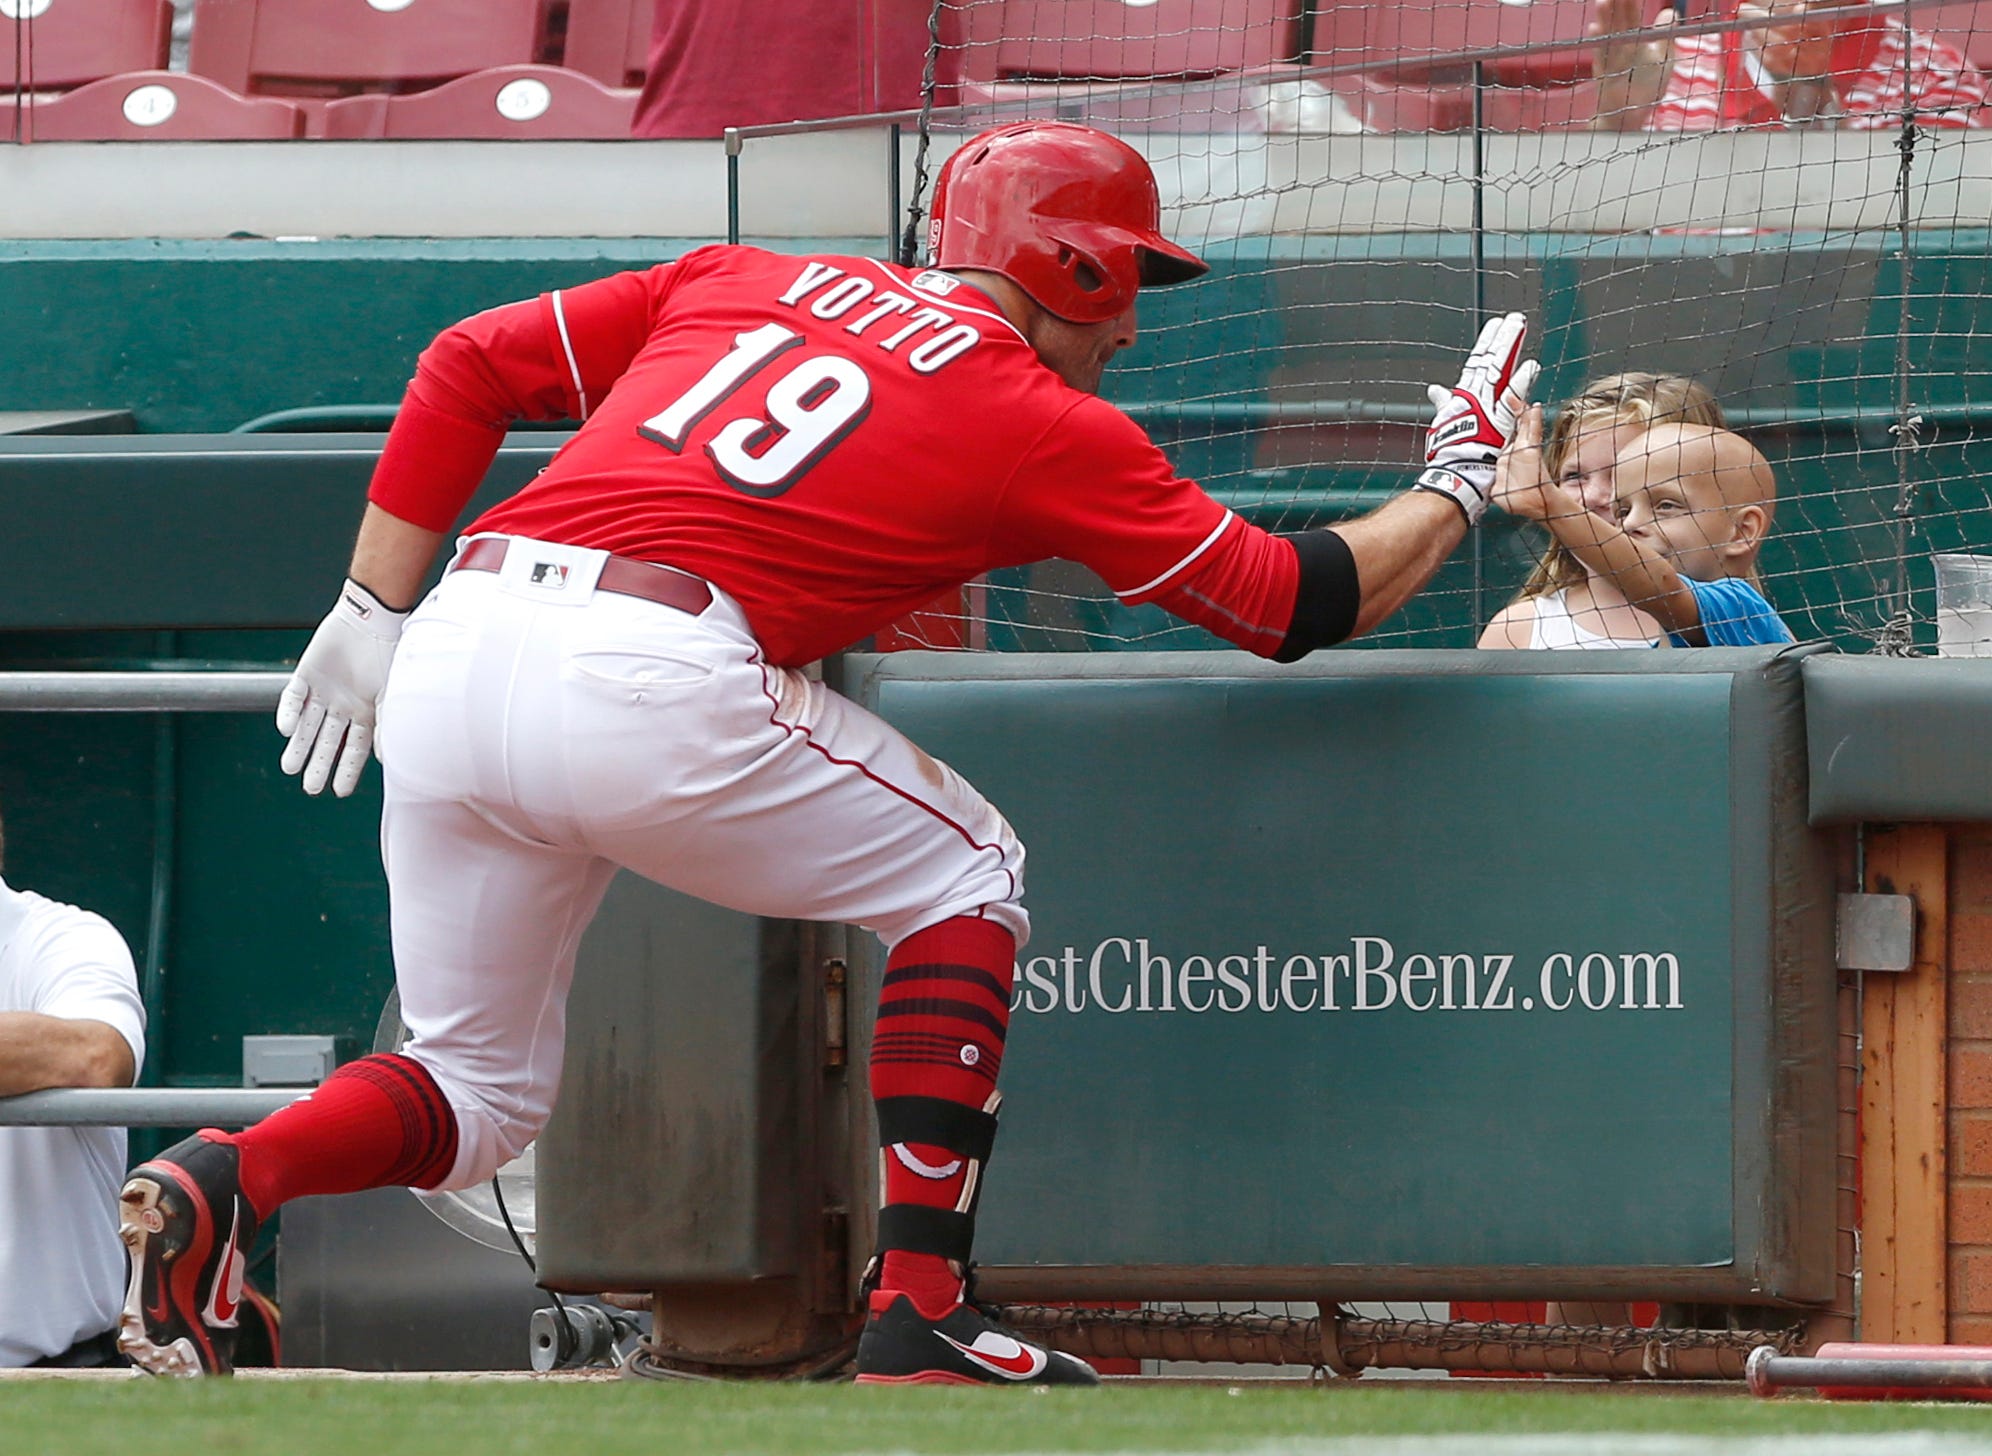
<point>646,579</point>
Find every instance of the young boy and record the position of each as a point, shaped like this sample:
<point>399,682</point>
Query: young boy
<point>1695,504</point>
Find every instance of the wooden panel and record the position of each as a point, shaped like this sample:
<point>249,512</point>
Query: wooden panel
<point>1904,1223</point>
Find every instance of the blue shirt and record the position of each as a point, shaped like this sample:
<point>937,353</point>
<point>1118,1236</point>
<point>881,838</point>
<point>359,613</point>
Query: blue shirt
<point>1734,614</point>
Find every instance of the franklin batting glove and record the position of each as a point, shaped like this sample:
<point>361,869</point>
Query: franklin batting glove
<point>327,710</point>
<point>1475,419</point>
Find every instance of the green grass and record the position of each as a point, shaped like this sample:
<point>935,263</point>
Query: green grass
<point>353,1418</point>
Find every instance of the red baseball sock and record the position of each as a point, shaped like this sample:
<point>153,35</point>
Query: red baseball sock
<point>944,1010</point>
<point>380,1122</point>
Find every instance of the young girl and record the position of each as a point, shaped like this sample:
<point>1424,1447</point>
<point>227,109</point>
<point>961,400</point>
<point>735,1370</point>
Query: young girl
<point>1562,605</point>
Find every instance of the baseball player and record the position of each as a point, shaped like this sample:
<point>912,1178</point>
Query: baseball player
<point>779,455</point>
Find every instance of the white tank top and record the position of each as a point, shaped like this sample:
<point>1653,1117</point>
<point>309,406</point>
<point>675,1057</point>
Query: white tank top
<point>1554,628</point>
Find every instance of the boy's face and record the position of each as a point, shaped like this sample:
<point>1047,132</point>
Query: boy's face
<point>1682,516</point>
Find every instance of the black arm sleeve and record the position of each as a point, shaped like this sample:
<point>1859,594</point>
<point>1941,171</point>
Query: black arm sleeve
<point>1328,598</point>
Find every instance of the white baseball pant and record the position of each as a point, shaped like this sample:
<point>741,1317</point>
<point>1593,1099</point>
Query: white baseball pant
<point>536,734</point>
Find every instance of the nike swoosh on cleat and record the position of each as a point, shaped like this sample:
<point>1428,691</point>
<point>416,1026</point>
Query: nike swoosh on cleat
<point>135,1296</point>
<point>1001,1355</point>
<point>162,1311</point>
<point>225,1295</point>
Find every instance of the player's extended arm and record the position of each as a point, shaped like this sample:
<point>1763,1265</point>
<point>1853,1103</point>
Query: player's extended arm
<point>1397,548</point>
<point>1385,558</point>
<point>38,1051</point>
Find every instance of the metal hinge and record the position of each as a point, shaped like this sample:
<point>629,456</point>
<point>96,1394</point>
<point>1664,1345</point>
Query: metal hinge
<point>835,1019</point>
<point>1876,932</point>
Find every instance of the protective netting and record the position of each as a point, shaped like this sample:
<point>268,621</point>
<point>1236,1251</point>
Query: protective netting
<point>1348,1340</point>
<point>1791,210</point>
<point>1321,1340</point>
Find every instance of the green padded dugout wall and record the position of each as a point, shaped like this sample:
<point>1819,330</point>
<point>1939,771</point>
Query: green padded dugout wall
<point>1420,973</point>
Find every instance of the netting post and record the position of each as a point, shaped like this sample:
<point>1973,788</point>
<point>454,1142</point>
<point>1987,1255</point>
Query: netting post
<point>733,185</point>
<point>892,194</point>
<point>910,242</point>
<point>1478,265</point>
<point>24,76</point>
<point>1896,633</point>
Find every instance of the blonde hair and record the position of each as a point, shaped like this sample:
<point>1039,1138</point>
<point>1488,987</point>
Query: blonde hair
<point>1633,398</point>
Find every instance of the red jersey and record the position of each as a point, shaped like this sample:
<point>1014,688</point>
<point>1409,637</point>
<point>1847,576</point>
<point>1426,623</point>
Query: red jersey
<point>832,441</point>
<point>1877,63</point>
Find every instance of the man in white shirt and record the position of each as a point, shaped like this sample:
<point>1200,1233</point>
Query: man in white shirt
<point>70,1016</point>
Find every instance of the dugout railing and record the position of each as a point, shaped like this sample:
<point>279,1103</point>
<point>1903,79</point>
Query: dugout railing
<point>143,1107</point>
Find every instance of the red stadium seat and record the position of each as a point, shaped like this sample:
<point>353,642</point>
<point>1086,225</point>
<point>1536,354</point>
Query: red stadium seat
<point>546,103</point>
<point>609,40</point>
<point>62,44</point>
<point>153,106</point>
<point>1111,39</point>
<point>342,47</point>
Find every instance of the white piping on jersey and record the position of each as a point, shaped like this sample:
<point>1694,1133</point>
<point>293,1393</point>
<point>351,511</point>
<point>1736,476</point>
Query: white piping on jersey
<point>567,344</point>
<point>1243,625</point>
<point>1208,542</point>
<point>951,303</point>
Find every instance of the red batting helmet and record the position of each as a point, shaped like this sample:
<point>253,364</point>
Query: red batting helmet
<point>1068,214</point>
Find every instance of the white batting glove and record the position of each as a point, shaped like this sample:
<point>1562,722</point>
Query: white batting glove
<point>327,710</point>
<point>1475,419</point>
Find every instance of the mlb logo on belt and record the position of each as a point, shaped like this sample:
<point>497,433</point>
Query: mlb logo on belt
<point>549,573</point>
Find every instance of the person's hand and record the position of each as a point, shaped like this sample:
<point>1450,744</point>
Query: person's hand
<point>1631,61</point>
<point>1474,420</point>
<point>1521,486</point>
<point>1798,46</point>
<point>327,709</point>
<point>1796,52</point>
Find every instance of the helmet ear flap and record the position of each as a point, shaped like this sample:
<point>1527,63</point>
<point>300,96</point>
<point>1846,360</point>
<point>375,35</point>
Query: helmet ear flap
<point>1088,279</point>
<point>1069,214</point>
